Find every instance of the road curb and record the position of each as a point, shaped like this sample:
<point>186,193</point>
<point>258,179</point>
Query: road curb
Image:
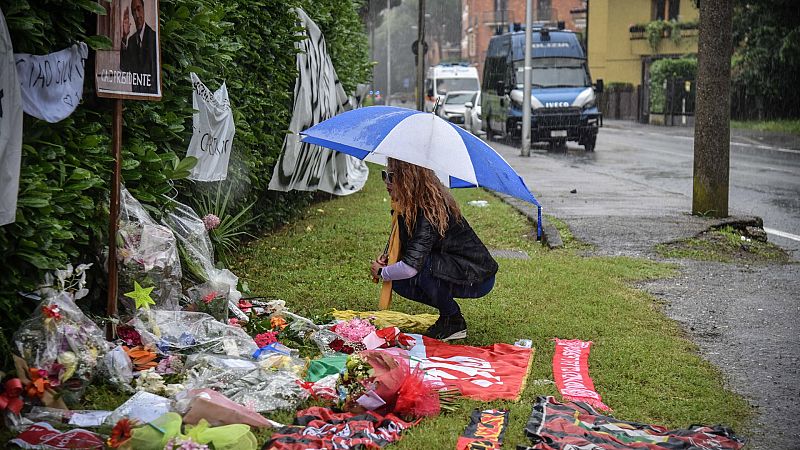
<point>551,237</point>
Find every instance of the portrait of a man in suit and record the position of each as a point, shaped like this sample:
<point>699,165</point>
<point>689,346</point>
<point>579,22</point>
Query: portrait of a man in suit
<point>138,53</point>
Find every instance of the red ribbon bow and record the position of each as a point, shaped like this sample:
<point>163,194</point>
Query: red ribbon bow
<point>394,338</point>
<point>10,398</point>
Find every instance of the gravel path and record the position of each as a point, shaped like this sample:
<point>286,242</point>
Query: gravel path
<point>744,318</point>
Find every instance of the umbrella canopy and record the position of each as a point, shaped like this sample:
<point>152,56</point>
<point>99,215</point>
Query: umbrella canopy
<point>376,133</point>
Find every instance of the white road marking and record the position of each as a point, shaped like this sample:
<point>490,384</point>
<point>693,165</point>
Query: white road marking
<point>690,138</point>
<point>783,234</point>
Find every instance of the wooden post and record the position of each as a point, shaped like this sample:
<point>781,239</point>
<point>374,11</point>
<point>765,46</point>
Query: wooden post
<point>113,216</point>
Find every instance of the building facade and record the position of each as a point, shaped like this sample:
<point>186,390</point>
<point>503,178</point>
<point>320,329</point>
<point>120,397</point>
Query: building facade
<point>620,46</point>
<point>481,19</point>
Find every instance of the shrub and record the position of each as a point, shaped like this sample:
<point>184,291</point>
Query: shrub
<point>664,69</point>
<point>62,213</point>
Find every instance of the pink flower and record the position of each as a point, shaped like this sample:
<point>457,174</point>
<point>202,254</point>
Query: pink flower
<point>234,322</point>
<point>354,329</point>
<point>208,298</point>
<point>211,221</point>
<point>245,306</point>
<point>266,338</point>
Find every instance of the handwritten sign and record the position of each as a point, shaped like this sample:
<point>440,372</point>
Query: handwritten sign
<point>213,128</point>
<point>52,85</point>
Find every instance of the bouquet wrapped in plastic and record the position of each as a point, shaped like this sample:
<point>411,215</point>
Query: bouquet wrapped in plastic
<point>383,381</point>
<point>60,347</point>
<point>265,385</point>
<point>197,256</point>
<point>210,298</point>
<point>148,254</point>
<point>190,332</point>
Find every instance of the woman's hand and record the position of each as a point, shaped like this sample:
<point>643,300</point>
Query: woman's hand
<point>379,263</point>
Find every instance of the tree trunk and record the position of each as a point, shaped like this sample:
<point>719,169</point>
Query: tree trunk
<point>712,111</point>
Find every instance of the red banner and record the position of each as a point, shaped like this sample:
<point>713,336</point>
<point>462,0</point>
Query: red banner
<point>571,372</point>
<point>493,372</point>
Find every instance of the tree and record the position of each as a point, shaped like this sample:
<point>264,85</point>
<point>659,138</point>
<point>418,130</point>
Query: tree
<point>712,111</point>
<point>766,59</point>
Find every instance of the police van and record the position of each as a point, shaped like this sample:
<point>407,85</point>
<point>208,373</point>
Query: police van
<point>563,101</point>
<point>444,78</point>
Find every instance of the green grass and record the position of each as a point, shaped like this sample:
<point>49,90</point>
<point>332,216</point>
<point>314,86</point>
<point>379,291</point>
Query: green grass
<point>791,126</point>
<point>724,245</point>
<point>569,239</point>
<point>641,362</point>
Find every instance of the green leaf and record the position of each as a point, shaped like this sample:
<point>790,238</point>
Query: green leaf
<point>38,260</point>
<point>182,12</point>
<point>92,7</point>
<point>80,174</point>
<point>186,163</point>
<point>99,42</point>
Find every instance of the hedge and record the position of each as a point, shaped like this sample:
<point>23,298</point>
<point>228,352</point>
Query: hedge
<point>664,69</point>
<point>62,213</point>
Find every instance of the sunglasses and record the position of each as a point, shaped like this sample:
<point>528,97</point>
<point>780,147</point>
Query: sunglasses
<point>387,177</point>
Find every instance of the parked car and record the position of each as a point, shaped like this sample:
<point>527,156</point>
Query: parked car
<point>452,108</point>
<point>472,115</point>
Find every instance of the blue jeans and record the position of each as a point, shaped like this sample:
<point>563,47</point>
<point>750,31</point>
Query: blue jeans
<point>427,289</point>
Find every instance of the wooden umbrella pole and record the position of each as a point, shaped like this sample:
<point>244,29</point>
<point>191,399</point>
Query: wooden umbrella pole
<point>113,217</point>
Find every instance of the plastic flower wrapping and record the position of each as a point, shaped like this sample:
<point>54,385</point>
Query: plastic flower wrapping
<point>197,256</point>
<point>190,332</point>
<point>266,385</point>
<point>147,253</point>
<point>210,298</point>
<point>383,381</point>
<point>61,347</point>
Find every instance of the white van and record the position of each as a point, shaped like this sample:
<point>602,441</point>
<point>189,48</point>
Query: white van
<point>444,78</point>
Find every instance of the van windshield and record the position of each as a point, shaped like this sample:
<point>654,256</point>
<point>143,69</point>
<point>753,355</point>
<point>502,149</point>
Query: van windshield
<point>554,72</point>
<point>445,85</point>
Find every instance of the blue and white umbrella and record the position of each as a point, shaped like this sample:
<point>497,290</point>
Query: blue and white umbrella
<point>460,159</point>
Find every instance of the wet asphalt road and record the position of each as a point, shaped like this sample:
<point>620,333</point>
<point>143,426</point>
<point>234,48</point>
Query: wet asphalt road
<point>635,192</point>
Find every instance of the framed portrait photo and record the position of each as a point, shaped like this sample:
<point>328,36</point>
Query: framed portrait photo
<point>132,68</point>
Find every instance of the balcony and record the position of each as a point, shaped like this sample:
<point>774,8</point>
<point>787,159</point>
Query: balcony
<point>658,38</point>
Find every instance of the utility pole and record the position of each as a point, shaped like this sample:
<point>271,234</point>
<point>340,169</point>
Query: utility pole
<point>712,112</point>
<point>526,82</point>
<point>421,57</point>
<point>388,52</point>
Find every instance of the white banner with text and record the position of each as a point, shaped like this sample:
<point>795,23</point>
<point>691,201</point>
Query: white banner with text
<point>213,132</point>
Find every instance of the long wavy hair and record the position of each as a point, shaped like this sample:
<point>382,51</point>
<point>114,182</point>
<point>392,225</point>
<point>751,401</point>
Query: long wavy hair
<point>416,188</point>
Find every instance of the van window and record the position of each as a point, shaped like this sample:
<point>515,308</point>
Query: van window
<point>445,85</point>
<point>554,72</point>
<point>495,67</point>
<point>458,99</point>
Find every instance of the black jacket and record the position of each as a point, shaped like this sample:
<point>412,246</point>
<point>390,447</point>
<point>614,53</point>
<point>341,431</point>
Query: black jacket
<point>459,257</point>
